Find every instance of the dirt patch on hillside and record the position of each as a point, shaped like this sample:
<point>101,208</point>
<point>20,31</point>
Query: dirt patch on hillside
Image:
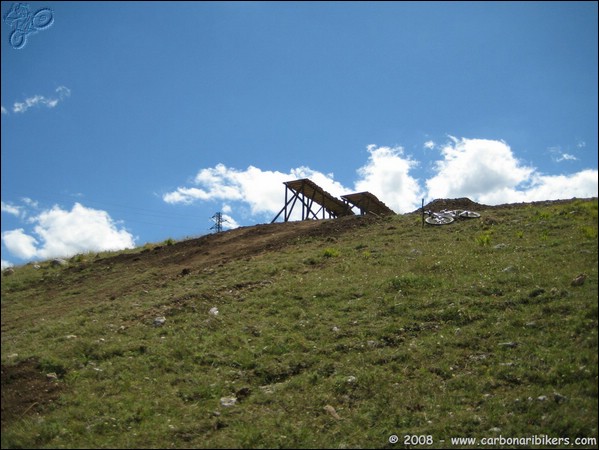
<point>245,242</point>
<point>26,390</point>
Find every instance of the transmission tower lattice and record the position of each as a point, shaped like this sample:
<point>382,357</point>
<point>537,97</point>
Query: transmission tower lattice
<point>218,222</point>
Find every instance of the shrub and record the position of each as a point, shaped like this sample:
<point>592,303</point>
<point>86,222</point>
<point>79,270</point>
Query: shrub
<point>331,253</point>
<point>483,239</point>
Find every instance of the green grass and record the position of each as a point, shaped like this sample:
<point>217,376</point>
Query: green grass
<point>451,331</point>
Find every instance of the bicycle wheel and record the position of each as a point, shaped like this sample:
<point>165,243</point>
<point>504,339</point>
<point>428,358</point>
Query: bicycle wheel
<point>43,19</point>
<point>17,39</point>
<point>438,220</point>
<point>469,215</point>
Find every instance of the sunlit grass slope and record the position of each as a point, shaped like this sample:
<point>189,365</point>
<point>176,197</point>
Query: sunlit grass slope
<point>331,341</point>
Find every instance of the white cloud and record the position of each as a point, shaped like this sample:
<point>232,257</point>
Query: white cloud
<point>5,264</point>
<point>262,191</point>
<point>4,111</point>
<point>387,175</point>
<point>63,92</point>
<point>59,232</point>
<point>557,155</point>
<point>39,100</point>
<point>429,145</point>
<point>474,168</point>
<point>485,171</point>
<point>20,244</point>
<point>547,187</point>
<point>567,157</point>
<point>29,202</point>
<point>229,223</point>
<point>11,209</point>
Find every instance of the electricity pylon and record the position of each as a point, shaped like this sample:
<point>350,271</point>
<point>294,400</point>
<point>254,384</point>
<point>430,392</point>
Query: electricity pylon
<point>218,222</point>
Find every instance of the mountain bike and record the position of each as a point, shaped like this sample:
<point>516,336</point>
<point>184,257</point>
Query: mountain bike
<point>445,217</point>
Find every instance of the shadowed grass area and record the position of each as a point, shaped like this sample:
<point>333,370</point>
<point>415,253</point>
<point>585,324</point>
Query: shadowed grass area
<point>328,339</point>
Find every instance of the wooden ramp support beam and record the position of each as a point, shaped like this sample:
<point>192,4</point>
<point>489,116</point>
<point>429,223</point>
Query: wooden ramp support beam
<point>368,204</point>
<point>312,196</point>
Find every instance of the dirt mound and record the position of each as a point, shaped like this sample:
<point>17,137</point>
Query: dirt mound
<point>26,390</point>
<point>453,203</point>
<point>465,203</point>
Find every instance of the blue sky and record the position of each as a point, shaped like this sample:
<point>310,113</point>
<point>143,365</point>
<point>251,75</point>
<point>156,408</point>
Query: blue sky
<point>126,123</point>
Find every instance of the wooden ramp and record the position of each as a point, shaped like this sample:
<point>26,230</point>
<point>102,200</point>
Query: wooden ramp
<point>316,202</point>
<point>368,204</point>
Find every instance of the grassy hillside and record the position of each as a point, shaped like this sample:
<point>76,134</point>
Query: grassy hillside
<point>319,334</point>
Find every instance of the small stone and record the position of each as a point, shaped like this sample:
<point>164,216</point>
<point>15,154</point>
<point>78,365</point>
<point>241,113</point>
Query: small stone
<point>213,311</point>
<point>228,401</point>
<point>59,262</point>
<point>351,379</point>
<point>579,280</point>
<point>507,344</point>
<point>243,393</point>
<point>542,398</point>
<point>52,376</point>
<point>159,321</point>
<point>559,398</point>
<point>329,409</point>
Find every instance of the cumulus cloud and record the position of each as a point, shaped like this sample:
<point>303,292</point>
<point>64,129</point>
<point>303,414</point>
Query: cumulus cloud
<point>386,174</point>
<point>546,187</point>
<point>20,244</point>
<point>62,92</point>
<point>58,232</point>
<point>11,209</point>
<point>4,111</point>
<point>483,170</point>
<point>475,168</point>
<point>487,172</point>
<point>261,190</point>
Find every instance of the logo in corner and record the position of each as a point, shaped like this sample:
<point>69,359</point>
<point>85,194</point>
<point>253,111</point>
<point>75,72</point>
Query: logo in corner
<point>24,22</point>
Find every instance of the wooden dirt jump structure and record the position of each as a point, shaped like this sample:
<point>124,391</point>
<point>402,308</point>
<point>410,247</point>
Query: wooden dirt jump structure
<point>319,204</point>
